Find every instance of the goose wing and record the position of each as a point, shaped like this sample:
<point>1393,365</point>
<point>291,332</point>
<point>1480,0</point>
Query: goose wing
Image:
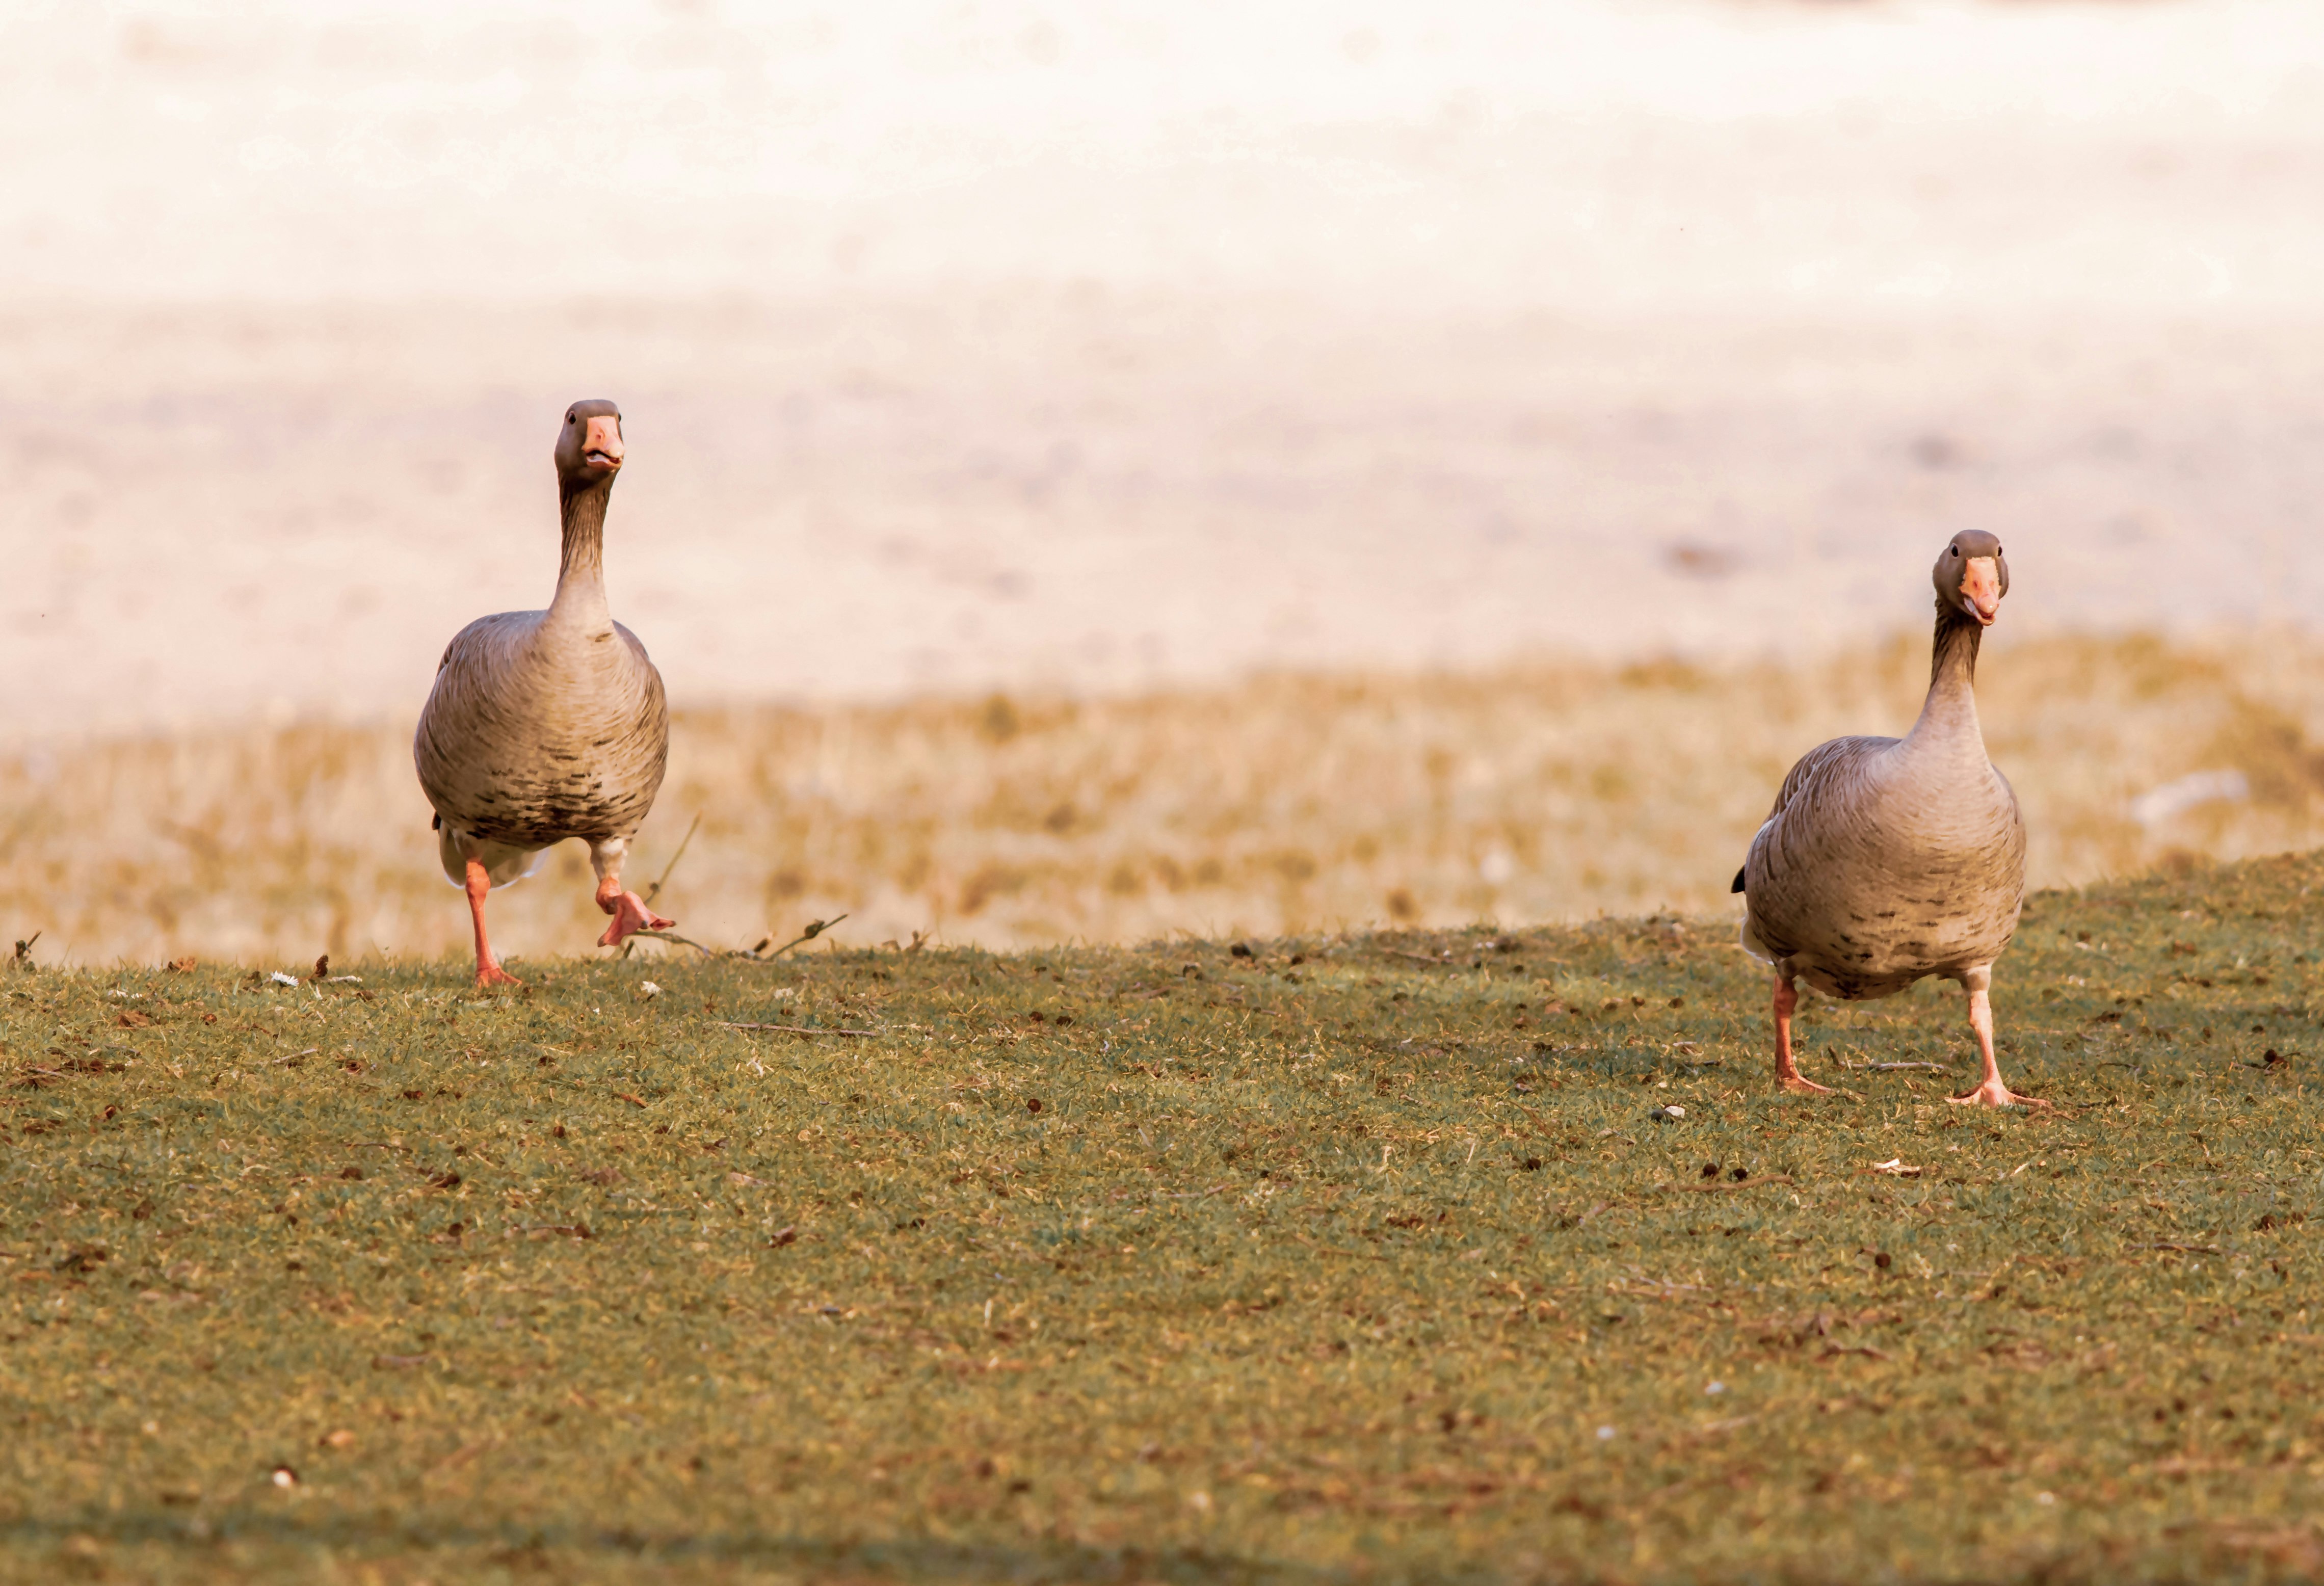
<point>1811,781</point>
<point>1817,795</point>
<point>1826,770</point>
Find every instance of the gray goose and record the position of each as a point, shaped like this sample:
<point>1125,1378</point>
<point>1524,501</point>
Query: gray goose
<point>544,725</point>
<point>1888,858</point>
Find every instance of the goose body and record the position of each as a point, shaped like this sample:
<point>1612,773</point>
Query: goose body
<point>1887,860</point>
<point>551,725</point>
<point>1884,861</point>
<point>541,727</point>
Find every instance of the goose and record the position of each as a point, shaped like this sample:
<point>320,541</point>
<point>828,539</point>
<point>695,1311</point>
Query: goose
<point>544,725</point>
<point>1886,860</point>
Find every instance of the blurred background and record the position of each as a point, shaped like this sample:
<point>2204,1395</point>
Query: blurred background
<point>1107,470</point>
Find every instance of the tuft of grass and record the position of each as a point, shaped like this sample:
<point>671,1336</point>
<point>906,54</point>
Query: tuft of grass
<point>1283,805</point>
<point>1334,1257</point>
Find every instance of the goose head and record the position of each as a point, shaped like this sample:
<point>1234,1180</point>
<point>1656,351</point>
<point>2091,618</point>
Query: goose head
<point>1972,575</point>
<point>589,446</point>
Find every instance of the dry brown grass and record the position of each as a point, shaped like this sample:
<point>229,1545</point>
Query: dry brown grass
<point>1535,793</point>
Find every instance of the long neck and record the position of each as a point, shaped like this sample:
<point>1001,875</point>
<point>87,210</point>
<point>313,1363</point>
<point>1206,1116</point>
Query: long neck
<point>581,571</point>
<point>1948,715</point>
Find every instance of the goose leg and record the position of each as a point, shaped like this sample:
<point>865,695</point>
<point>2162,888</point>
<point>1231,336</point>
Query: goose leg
<point>489,971</point>
<point>1991,1092</point>
<point>629,910</point>
<point>1787,1071</point>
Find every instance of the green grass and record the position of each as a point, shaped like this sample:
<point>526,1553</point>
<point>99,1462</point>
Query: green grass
<point>1326,1264</point>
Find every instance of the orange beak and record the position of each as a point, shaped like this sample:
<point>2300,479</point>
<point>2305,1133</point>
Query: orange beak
<point>1981,589</point>
<point>601,448</point>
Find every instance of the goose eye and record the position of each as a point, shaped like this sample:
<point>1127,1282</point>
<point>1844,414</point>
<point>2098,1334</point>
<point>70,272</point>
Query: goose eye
<point>1956,550</point>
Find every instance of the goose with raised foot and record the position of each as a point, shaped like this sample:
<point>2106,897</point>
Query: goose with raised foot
<point>1886,860</point>
<point>545,725</point>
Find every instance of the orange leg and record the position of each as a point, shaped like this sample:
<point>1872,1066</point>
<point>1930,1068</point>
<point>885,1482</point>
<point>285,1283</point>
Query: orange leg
<point>1991,1092</point>
<point>489,971</point>
<point>1787,1070</point>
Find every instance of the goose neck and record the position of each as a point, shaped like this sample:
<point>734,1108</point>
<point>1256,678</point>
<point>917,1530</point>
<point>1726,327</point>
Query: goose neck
<point>581,567</point>
<point>1949,714</point>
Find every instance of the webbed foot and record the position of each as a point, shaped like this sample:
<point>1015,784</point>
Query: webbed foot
<point>630,915</point>
<point>1993,1093</point>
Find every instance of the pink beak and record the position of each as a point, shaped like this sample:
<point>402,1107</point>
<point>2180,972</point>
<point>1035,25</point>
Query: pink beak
<point>601,448</point>
<point>1981,589</point>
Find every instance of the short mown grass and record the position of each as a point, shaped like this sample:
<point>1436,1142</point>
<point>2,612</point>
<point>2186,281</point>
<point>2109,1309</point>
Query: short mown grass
<point>1356,1257</point>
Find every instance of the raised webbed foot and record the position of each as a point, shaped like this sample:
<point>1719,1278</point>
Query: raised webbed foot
<point>629,914</point>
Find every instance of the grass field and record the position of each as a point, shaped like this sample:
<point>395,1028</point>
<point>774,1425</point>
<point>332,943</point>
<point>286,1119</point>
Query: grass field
<point>1365,1257</point>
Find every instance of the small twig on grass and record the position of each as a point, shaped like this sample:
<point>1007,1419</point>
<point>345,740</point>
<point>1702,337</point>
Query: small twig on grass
<point>814,927</point>
<point>797,1030</point>
<point>1728,1424</point>
<point>2183,1250</point>
<point>294,1056</point>
<point>663,879</point>
<point>1747,1184</point>
<point>758,955</point>
<point>1438,959</point>
<point>683,941</point>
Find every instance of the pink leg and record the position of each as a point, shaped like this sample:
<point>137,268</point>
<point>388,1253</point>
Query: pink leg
<point>629,911</point>
<point>489,971</point>
<point>1787,1071</point>
<point>1991,1092</point>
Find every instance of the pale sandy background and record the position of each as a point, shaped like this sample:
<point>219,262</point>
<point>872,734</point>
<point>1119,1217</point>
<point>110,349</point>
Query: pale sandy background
<point>1113,350</point>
